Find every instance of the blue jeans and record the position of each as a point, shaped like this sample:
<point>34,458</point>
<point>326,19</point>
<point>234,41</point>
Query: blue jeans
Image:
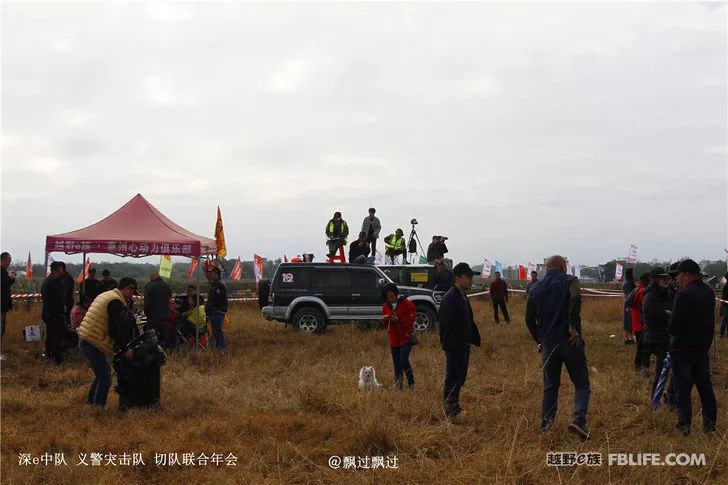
<point>456,371</point>
<point>361,259</point>
<point>688,369</point>
<point>574,358</point>
<point>102,374</point>
<point>217,319</point>
<point>402,366</point>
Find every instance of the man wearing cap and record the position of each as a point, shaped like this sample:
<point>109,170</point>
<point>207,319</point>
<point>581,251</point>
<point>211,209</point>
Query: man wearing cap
<point>553,316</point>
<point>359,250</point>
<point>656,308</point>
<point>336,233</point>
<point>691,327</point>
<point>457,332</point>
<point>103,332</point>
<point>371,228</point>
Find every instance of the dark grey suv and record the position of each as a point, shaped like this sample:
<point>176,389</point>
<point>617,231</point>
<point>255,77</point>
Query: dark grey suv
<point>309,296</point>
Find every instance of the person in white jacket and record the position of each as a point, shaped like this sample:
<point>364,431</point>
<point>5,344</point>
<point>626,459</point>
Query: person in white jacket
<point>371,227</point>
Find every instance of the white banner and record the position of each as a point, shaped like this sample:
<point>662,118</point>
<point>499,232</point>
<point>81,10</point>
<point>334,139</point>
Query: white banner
<point>531,268</point>
<point>618,272</point>
<point>632,254</point>
<point>485,274</point>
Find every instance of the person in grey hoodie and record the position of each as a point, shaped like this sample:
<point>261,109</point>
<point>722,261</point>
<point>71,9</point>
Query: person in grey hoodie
<point>371,227</point>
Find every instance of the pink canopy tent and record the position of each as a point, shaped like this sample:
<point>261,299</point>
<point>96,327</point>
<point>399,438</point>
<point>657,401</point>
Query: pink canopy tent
<point>137,229</point>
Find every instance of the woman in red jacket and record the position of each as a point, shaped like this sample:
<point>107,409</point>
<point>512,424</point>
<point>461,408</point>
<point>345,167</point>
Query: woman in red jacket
<point>399,314</point>
<point>635,299</point>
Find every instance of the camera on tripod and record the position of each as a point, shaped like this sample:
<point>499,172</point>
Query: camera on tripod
<point>413,222</point>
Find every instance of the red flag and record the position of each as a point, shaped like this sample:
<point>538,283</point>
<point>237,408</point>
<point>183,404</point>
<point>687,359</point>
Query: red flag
<point>258,267</point>
<point>521,272</point>
<point>84,273</point>
<point>237,271</point>
<point>29,268</point>
<point>193,267</point>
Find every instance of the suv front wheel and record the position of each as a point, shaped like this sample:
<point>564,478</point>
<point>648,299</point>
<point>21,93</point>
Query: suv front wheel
<point>426,319</point>
<point>309,320</point>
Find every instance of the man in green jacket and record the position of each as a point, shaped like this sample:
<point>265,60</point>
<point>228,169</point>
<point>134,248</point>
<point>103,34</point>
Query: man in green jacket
<point>336,233</point>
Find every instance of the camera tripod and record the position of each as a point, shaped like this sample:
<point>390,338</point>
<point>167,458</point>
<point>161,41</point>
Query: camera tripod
<point>412,243</point>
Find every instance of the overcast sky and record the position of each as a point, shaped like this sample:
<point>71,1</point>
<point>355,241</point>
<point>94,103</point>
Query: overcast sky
<point>518,130</point>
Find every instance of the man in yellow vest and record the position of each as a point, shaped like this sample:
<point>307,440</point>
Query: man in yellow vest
<point>336,233</point>
<point>394,245</point>
<point>103,331</point>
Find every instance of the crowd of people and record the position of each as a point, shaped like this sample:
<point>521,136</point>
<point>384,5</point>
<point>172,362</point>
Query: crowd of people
<point>668,313</point>
<point>104,325</point>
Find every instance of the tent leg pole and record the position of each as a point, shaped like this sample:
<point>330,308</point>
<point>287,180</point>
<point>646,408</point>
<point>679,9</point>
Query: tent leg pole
<point>197,327</point>
<point>43,327</point>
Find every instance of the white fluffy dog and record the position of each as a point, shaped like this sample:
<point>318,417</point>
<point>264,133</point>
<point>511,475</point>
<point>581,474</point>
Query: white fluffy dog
<point>368,378</point>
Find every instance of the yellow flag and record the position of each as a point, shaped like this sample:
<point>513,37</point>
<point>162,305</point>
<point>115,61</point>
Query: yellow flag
<point>220,236</point>
<point>165,266</point>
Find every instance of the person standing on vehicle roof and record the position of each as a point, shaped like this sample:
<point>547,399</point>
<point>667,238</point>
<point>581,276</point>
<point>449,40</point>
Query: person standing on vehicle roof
<point>371,228</point>
<point>336,232</point>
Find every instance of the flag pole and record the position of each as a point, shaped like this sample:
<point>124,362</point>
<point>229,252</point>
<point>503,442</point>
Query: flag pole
<point>82,286</point>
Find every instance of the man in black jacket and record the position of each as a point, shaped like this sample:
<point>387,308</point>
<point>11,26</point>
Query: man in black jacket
<point>359,250</point>
<point>217,306</point>
<point>157,295</point>
<point>724,308</point>
<point>627,287</point>
<point>91,287</point>
<point>437,249</point>
<point>656,308</point>
<point>53,312</point>
<point>457,332</point>
<point>68,283</point>
<point>692,324</point>
<point>107,282</point>
<point>7,301</point>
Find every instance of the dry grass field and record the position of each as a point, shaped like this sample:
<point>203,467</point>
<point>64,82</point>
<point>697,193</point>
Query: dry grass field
<point>283,402</point>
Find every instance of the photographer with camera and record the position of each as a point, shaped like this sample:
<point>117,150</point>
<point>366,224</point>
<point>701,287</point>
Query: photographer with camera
<point>437,249</point>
